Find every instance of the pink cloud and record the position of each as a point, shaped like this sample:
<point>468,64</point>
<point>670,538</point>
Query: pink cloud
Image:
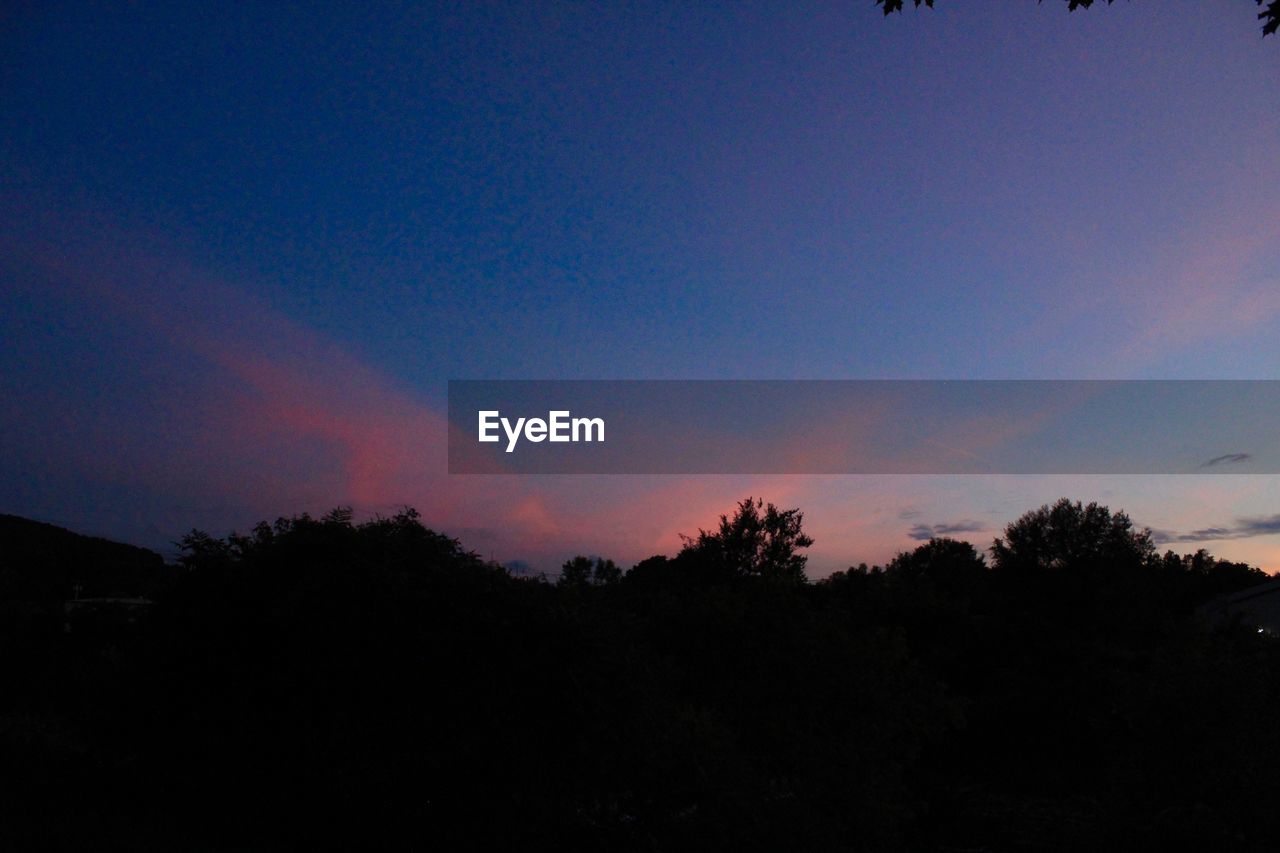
<point>273,418</point>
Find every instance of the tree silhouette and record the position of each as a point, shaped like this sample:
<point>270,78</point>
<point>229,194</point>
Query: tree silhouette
<point>584,571</point>
<point>575,572</point>
<point>760,540</point>
<point>1203,576</point>
<point>1071,535</point>
<point>953,567</point>
<point>605,572</point>
<point>1270,16</point>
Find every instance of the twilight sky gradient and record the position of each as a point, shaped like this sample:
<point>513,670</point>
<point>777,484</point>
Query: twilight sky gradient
<point>241,251</point>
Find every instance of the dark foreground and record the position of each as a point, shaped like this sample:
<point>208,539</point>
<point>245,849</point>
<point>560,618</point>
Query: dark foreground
<point>321,684</point>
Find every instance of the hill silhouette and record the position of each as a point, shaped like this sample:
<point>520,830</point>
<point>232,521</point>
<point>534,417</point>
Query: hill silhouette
<point>43,562</point>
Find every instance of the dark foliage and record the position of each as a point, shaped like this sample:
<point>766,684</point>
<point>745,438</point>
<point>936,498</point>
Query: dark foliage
<point>321,683</point>
<point>585,571</point>
<point>1270,14</point>
<point>758,541</point>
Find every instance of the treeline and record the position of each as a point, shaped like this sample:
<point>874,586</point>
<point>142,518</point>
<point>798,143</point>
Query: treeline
<point>321,683</point>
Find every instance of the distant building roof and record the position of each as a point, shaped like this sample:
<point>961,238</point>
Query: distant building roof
<point>119,602</point>
<point>1257,605</point>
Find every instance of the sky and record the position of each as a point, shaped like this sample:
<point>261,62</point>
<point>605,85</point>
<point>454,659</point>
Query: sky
<point>243,250</point>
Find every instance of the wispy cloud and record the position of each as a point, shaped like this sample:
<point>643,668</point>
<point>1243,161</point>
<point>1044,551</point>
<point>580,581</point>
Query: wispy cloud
<point>1244,528</point>
<point>925,532</point>
<point>273,417</point>
<point>1226,459</point>
<point>1212,282</point>
<point>1260,526</point>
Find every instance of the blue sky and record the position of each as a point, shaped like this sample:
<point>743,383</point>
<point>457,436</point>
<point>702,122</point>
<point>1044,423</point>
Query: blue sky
<point>246,248</point>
